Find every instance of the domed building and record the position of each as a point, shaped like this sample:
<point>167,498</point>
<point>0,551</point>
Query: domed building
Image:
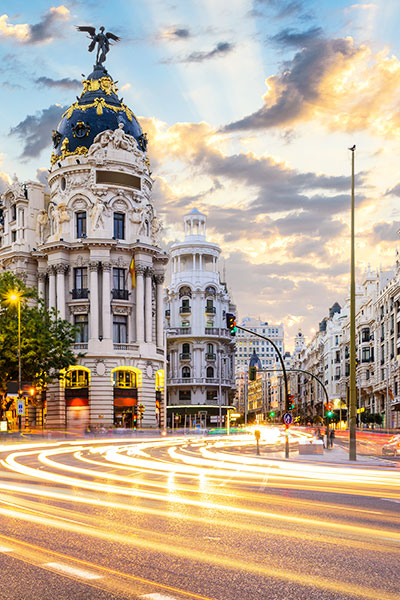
<point>200,349</point>
<point>91,246</point>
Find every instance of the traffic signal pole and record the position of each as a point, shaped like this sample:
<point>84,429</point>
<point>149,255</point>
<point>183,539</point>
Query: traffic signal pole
<point>285,379</point>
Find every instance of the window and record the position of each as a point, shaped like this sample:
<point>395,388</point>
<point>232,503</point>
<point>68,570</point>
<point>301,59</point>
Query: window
<point>76,378</point>
<point>186,372</point>
<point>365,355</point>
<point>210,373</point>
<point>81,231</point>
<point>13,236</point>
<point>210,348</point>
<point>122,378</point>
<point>120,329</point>
<point>184,396</point>
<point>212,396</point>
<point>210,308</point>
<point>119,226</point>
<point>365,335</point>
<point>186,348</point>
<point>82,332</point>
<point>119,279</point>
<point>13,212</point>
<point>396,387</point>
<point>80,278</point>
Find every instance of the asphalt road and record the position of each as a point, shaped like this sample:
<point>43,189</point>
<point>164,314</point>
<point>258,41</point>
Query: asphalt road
<point>173,518</point>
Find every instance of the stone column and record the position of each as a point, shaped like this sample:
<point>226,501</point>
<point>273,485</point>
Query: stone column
<point>94,301</point>
<point>52,287</point>
<point>41,284</point>
<point>159,309</point>
<point>148,304</point>
<point>61,270</point>
<point>200,262</point>
<point>106,309</point>
<point>139,303</point>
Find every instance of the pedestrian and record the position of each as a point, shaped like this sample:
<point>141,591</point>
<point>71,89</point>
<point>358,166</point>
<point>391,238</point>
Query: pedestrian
<point>321,437</point>
<point>331,437</point>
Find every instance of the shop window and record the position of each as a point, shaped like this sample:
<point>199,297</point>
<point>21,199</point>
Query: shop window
<point>76,378</point>
<point>124,378</point>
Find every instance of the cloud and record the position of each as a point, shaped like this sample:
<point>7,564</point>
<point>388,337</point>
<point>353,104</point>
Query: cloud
<point>395,191</point>
<point>289,37</point>
<point>65,83</point>
<point>283,9</point>
<point>5,181</point>
<point>334,82</point>
<point>42,32</point>
<point>386,232</point>
<point>221,49</point>
<point>175,33</point>
<point>42,176</point>
<point>35,130</point>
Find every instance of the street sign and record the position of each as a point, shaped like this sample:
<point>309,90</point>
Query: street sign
<point>20,407</point>
<point>287,419</point>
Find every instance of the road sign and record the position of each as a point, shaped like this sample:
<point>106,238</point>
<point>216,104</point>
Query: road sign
<point>287,419</point>
<point>20,407</point>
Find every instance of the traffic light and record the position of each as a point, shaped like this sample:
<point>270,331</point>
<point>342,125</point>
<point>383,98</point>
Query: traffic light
<point>252,373</point>
<point>272,414</point>
<point>231,323</point>
<point>290,401</point>
<point>329,413</point>
<point>135,414</point>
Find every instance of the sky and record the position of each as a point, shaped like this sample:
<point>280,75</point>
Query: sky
<point>250,107</point>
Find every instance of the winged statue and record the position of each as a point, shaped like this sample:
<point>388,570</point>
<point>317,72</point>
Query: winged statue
<point>101,39</point>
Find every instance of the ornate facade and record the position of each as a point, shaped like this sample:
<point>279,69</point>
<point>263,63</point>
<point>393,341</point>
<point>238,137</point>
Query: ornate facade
<point>200,350</point>
<point>91,247</point>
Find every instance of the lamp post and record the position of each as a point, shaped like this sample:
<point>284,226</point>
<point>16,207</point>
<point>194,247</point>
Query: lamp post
<point>15,297</point>
<point>352,397</point>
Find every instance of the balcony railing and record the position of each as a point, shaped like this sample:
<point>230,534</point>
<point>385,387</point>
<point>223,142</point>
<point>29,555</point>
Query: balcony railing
<point>80,293</point>
<point>80,346</point>
<point>199,380</point>
<point>185,310</point>
<point>180,331</point>
<point>120,294</point>
<point>185,356</point>
<point>210,356</point>
<point>125,346</point>
<point>210,310</point>
<point>218,331</point>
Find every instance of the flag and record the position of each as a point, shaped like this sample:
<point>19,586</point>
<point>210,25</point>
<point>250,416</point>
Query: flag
<point>132,271</point>
<point>391,394</point>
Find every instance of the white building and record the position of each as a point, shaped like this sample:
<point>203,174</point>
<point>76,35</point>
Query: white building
<point>263,397</point>
<point>80,245</point>
<point>200,349</point>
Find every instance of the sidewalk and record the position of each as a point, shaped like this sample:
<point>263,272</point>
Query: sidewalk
<point>334,456</point>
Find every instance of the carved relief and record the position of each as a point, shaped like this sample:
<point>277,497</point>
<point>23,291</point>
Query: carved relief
<point>97,212</point>
<point>42,220</point>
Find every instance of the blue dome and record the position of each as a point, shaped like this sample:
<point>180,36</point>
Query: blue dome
<point>96,110</point>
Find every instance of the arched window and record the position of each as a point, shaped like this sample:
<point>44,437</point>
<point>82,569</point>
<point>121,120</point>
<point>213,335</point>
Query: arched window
<point>124,379</point>
<point>210,372</point>
<point>77,377</point>
<point>185,372</point>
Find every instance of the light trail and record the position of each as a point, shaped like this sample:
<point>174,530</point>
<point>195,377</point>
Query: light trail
<point>176,474</point>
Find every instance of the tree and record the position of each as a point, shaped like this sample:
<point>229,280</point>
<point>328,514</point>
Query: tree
<point>46,340</point>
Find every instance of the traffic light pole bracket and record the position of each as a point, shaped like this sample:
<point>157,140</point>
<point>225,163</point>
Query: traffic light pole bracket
<point>263,337</point>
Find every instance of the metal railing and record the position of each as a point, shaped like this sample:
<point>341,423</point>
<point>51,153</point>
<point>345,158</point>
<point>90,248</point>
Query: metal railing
<point>120,294</point>
<point>185,310</point>
<point>80,293</point>
<point>185,356</point>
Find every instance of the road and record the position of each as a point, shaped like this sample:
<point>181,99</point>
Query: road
<point>195,518</point>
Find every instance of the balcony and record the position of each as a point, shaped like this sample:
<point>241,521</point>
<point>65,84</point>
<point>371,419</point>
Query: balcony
<point>80,346</point>
<point>185,356</point>
<point>217,331</point>
<point>210,310</point>
<point>125,347</point>
<point>210,356</point>
<point>199,381</point>
<point>120,294</point>
<point>185,310</point>
<point>177,331</point>
<point>80,293</point>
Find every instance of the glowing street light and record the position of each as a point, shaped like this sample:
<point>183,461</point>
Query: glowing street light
<point>15,298</point>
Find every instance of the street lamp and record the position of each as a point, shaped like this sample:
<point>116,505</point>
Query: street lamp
<point>15,298</point>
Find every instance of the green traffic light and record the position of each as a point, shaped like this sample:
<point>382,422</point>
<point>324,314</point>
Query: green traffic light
<point>329,413</point>
<point>272,414</point>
